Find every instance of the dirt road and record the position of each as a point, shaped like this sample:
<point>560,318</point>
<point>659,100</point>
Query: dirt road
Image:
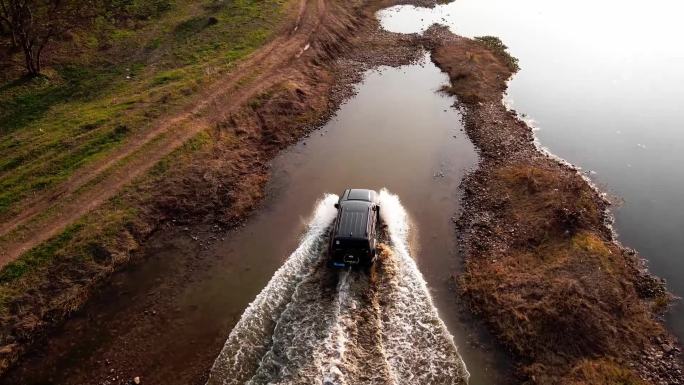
<point>95,184</point>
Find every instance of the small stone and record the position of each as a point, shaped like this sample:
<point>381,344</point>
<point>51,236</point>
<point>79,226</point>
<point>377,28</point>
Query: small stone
<point>136,380</point>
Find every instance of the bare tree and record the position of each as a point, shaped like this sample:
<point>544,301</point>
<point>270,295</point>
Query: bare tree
<point>34,23</point>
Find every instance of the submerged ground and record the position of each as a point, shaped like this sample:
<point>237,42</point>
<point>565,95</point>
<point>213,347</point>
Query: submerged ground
<point>541,267</point>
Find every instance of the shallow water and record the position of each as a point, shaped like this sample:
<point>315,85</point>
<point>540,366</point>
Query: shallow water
<point>603,82</point>
<point>311,324</point>
<point>397,132</point>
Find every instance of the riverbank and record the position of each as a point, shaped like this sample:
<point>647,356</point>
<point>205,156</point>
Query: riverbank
<point>542,266</point>
<point>215,176</point>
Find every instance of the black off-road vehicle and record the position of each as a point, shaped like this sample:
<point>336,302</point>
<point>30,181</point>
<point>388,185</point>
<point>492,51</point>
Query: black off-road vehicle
<point>354,235</point>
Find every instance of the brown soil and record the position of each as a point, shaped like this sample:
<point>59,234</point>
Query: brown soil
<point>542,267</point>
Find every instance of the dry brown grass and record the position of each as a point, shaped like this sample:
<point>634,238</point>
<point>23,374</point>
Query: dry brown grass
<point>477,73</point>
<point>601,371</point>
<point>541,267</point>
<point>546,204</point>
<point>560,291</point>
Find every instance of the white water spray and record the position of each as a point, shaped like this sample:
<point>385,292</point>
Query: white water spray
<point>315,325</point>
<point>250,338</point>
<point>420,348</point>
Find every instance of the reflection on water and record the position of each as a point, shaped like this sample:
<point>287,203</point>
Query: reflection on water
<point>604,83</point>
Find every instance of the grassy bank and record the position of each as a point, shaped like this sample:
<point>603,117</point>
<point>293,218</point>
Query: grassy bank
<point>114,80</point>
<point>215,178</point>
<point>120,79</point>
<point>102,88</point>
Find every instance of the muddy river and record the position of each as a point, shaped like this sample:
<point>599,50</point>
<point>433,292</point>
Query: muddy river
<point>603,82</point>
<point>166,320</point>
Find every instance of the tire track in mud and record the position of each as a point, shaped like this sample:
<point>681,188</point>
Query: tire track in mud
<point>314,325</point>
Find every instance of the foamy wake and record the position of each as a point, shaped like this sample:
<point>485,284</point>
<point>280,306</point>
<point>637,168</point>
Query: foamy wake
<point>314,325</point>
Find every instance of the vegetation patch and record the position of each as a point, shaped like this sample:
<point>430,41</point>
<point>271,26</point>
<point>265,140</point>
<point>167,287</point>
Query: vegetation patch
<point>496,45</point>
<point>478,72</point>
<point>602,371</point>
<point>144,58</point>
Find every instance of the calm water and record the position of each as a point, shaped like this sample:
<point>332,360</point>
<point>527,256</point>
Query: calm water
<point>604,83</point>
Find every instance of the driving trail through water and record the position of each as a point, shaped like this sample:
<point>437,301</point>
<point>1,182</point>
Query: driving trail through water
<point>313,324</point>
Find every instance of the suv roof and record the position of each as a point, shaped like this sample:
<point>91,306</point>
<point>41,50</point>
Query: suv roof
<point>353,221</point>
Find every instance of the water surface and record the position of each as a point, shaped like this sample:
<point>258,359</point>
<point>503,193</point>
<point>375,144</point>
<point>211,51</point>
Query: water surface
<point>603,82</point>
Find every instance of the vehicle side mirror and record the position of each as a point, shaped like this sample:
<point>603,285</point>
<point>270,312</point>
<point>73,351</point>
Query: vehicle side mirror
<point>337,205</point>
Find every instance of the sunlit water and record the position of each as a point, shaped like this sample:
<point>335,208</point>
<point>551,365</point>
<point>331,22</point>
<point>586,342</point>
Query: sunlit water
<point>604,83</point>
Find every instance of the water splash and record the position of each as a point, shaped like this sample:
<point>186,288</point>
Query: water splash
<point>420,348</point>
<point>250,339</point>
<point>314,325</point>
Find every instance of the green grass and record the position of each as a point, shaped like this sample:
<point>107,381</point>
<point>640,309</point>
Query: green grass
<point>497,46</point>
<point>82,245</point>
<point>87,239</point>
<point>38,256</point>
<point>89,102</point>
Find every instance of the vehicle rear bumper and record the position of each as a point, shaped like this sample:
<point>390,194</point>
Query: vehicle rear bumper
<point>346,263</point>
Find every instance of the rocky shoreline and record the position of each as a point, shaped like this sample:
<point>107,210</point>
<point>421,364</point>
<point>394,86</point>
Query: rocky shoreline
<point>542,267</point>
